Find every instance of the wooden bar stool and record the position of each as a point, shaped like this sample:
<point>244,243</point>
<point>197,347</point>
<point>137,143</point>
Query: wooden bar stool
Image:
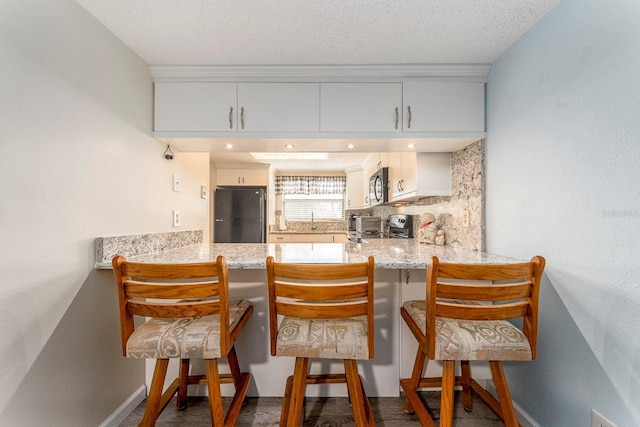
<point>203,324</point>
<point>322,311</point>
<point>455,323</point>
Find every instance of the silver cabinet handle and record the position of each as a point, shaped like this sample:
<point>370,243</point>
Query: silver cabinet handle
<point>230,117</point>
<point>402,185</point>
<point>366,199</point>
<point>409,118</point>
<point>239,178</point>
<point>219,220</point>
<point>397,117</point>
<point>242,117</point>
<point>379,165</point>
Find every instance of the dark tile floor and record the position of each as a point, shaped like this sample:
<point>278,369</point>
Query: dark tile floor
<point>330,411</point>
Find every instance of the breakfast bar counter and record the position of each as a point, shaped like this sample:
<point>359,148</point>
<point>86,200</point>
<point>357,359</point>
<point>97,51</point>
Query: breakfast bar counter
<point>400,275</point>
<point>388,253</point>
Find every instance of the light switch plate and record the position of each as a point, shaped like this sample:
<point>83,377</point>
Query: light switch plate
<point>177,183</point>
<point>204,192</point>
<point>598,420</point>
<point>176,218</point>
<point>465,218</point>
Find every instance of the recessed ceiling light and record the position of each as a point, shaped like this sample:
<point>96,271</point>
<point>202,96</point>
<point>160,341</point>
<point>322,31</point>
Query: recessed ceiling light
<point>411,146</point>
<point>229,146</point>
<point>350,146</point>
<point>289,146</point>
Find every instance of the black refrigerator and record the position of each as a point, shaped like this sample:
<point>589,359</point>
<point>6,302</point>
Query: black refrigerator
<point>240,215</point>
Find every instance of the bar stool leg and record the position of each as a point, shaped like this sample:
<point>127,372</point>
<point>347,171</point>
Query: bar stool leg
<point>152,409</point>
<point>298,390</point>
<point>355,391</point>
<point>181,399</point>
<point>446,398</point>
<point>504,397</point>
<point>467,398</point>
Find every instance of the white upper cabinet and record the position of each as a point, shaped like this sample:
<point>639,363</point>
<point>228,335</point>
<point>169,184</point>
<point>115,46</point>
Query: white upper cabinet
<point>436,106</point>
<point>420,175</point>
<point>448,113</point>
<point>237,107</point>
<point>195,107</point>
<point>355,187</point>
<point>402,173</point>
<point>278,107</point>
<point>361,107</point>
<point>237,176</point>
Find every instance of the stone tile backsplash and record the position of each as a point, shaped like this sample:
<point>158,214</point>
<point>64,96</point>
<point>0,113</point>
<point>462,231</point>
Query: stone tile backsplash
<point>140,244</point>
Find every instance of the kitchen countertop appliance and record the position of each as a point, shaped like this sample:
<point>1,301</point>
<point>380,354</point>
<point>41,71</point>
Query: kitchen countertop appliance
<point>400,226</point>
<point>366,227</point>
<point>352,222</point>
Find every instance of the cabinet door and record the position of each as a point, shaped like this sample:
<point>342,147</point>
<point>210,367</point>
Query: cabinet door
<point>395,174</point>
<point>258,177</point>
<point>312,238</point>
<point>409,167</point>
<point>229,177</point>
<point>403,173</point>
<point>251,177</point>
<point>355,197</point>
<point>279,238</point>
<point>443,107</point>
<point>340,238</point>
<point>196,107</point>
<point>360,107</point>
<point>278,107</point>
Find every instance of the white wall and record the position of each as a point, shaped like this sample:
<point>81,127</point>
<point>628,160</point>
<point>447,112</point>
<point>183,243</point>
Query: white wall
<point>76,162</point>
<point>563,181</point>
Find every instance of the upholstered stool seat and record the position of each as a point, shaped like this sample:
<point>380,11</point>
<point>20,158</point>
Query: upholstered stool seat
<point>184,338</point>
<point>458,339</point>
<point>323,338</point>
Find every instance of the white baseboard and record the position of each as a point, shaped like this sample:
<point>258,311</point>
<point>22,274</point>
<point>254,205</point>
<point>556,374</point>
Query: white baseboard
<point>119,415</point>
<point>524,419</point>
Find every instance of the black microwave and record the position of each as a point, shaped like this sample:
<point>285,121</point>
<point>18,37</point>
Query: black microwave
<point>379,187</point>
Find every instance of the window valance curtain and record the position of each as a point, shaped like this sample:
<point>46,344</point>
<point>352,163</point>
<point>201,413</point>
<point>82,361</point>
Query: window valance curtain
<point>310,184</point>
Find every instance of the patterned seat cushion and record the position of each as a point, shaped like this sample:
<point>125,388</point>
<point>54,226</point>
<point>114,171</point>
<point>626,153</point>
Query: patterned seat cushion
<point>458,339</point>
<point>323,338</point>
<point>185,338</point>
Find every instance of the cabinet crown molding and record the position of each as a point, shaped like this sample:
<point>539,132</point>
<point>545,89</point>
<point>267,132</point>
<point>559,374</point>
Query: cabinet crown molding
<point>318,73</point>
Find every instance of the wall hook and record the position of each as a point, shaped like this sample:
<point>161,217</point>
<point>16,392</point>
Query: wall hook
<point>168,154</point>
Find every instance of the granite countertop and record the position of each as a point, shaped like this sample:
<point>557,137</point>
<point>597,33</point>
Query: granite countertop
<point>388,253</point>
<point>309,232</point>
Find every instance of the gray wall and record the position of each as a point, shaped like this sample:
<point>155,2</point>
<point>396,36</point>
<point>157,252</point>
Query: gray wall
<point>562,157</point>
<point>76,162</point>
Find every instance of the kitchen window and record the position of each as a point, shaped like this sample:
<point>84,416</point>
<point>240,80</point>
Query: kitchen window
<point>306,198</point>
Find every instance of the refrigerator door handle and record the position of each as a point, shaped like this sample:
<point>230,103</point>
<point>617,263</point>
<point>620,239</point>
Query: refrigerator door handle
<point>219,220</point>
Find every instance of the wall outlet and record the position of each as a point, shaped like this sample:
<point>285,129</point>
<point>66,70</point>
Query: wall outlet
<point>598,420</point>
<point>177,183</point>
<point>204,192</point>
<point>465,218</point>
<point>177,219</point>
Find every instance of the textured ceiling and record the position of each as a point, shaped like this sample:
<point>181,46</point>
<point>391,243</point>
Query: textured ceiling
<point>302,32</point>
